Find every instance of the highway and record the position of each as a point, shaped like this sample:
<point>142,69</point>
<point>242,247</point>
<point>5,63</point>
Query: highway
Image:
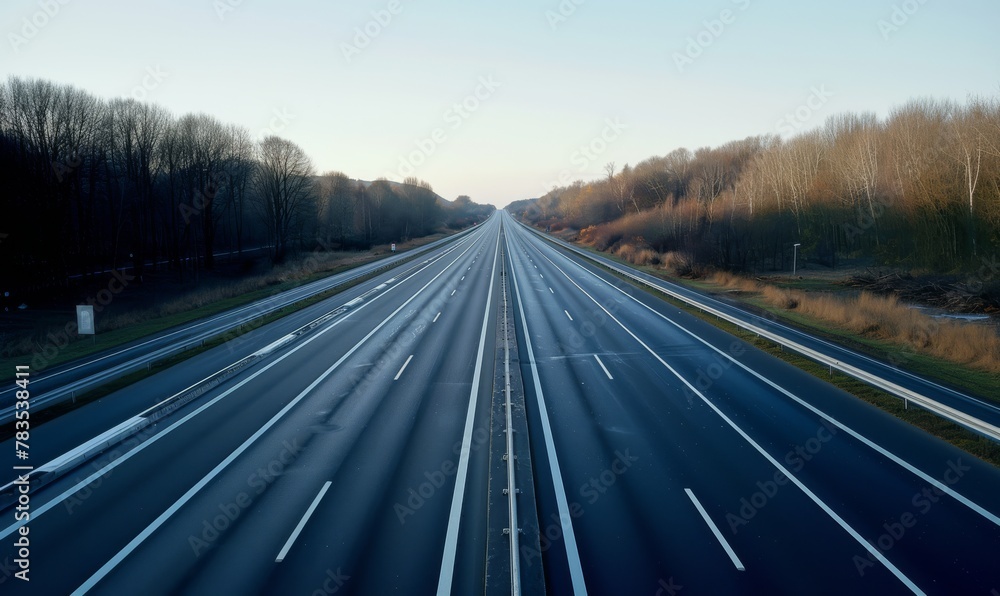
<point>64,381</point>
<point>666,456</point>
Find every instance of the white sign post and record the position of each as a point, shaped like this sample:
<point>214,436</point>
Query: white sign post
<point>85,320</point>
<point>393,247</point>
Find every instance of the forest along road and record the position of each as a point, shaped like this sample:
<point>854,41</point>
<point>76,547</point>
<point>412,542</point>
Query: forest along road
<point>669,457</point>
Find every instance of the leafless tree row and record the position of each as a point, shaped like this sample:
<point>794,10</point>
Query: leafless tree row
<point>919,187</point>
<point>93,184</point>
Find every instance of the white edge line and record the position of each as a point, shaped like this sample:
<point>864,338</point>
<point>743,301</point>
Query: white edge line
<point>604,368</point>
<point>805,489</point>
<point>565,519</point>
<point>715,530</point>
<point>400,373</point>
<point>855,434</point>
<point>450,552</point>
<point>302,523</point>
<point>152,527</point>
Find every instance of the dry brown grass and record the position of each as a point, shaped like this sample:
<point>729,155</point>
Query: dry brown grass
<point>637,254</point>
<point>734,282</point>
<point>883,318</point>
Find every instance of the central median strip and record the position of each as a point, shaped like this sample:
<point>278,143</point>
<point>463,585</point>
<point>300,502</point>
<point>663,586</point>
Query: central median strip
<point>562,503</point>
<point>513,530</point>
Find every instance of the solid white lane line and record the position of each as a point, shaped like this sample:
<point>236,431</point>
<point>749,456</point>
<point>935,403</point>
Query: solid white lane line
<point>855,434</point>
<point>604,368</point>
<point>163,517</point>
<point>715,530</point>
<point>562,504</point>
<point>567,314</point>
<point>396,378</point>
<point>302,523</point>
<point>819,502</point>
<point>436,318</point>
<point>447,574</point>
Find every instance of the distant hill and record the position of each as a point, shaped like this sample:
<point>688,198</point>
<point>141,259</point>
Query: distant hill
<point>402,186</point>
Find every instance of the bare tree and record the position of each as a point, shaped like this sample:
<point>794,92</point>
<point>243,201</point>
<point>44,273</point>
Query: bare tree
<point>283,184</point>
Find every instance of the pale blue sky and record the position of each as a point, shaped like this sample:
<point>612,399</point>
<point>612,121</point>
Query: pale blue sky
<point>560,82</point>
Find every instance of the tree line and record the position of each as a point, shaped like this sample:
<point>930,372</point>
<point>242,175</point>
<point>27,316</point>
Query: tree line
<point>918,188</point>
<point>93,184</point>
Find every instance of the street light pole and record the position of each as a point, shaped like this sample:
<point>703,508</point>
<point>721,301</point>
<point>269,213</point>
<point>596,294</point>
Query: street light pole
<point>795,257</point>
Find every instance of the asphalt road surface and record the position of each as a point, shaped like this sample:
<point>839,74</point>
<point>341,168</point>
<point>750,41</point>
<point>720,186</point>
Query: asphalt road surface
<point>669,457</point>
